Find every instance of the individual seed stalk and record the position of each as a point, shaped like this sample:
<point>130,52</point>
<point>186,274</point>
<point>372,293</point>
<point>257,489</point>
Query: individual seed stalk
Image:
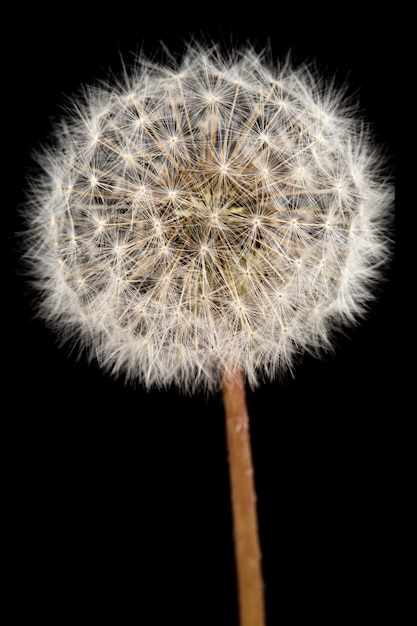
<point>243,495</point>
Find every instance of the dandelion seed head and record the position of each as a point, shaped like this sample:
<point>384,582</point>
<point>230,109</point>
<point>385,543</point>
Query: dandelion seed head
<point>229,211</point>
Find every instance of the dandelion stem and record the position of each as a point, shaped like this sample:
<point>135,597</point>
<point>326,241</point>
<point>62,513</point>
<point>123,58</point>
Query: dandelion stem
<point>245,523</point>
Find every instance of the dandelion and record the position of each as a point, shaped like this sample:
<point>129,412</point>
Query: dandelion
<point>206,222</point>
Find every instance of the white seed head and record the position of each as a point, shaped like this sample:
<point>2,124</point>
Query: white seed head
<point>224,212</point>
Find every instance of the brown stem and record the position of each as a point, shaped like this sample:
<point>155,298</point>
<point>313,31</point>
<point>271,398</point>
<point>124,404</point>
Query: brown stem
<point>245,523</point>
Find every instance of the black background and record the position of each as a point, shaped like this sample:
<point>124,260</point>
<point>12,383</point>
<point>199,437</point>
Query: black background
<point>119,497</point>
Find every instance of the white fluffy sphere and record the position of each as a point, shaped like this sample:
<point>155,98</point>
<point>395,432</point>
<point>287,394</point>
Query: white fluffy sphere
<point>189,219</point>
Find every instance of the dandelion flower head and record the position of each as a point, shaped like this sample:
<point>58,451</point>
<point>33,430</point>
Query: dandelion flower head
<point>218,211</point>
